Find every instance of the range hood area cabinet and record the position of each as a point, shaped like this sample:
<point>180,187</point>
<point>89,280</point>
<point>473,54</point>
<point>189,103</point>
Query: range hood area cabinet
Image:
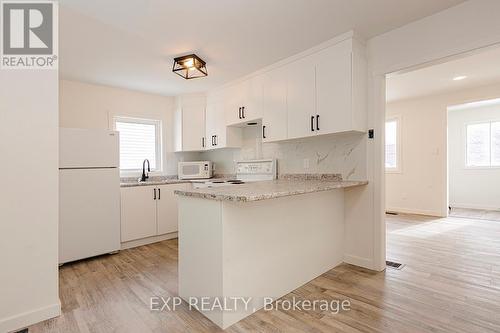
<point>200,124</point>
<point>218,135</point>
<point>243,101</point>
<point>322,93</point>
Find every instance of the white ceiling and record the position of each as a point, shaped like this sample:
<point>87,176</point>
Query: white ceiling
<point>131,43</point>
<point>481,69</point>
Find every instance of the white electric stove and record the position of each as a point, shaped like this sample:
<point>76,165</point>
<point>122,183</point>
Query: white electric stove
<point>246,171</point>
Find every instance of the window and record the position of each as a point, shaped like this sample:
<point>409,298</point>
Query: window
<point>392,145</point>
<point>140,139</point>
<point>483,144</point>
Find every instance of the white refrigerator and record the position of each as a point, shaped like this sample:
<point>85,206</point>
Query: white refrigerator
<point>89,193</point>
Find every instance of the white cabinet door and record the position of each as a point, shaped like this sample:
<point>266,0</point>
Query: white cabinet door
<point>252,91</point>
<point>301,99</point>
<point>233,101</point>
<point>193,128</point>
<point>167,207</point>
<point>212,115</point>
<point>243,101</point>
<point>334,88</point>
<point>274,119</point>
<point>138,213</point>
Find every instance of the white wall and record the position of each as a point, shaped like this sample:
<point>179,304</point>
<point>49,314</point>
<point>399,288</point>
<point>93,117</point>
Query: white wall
<point>471,187</point>
<point>28,197</point>
<point>343,154</point>
<point>421,187</point>
<point>85,105</point>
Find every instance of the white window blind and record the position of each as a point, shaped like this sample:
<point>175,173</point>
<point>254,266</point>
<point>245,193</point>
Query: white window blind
<point>483,144</point>
<point>140,139</point>
<point>391,145</point>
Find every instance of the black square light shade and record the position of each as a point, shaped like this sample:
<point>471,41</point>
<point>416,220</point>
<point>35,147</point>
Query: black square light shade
<point>190,67</point>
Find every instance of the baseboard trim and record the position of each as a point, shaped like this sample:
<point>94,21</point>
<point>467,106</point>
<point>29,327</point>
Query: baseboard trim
<point>416,211</point>
<point>148,240</point>
<point>23,320</point>
<point>468,206</point>
<point>359,261</point>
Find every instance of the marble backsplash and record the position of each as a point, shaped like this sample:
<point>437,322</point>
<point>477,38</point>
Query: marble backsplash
<point>343,154</point>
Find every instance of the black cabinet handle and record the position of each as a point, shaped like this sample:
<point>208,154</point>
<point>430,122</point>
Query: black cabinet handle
<point>216,139</point>
<point>243,112</point>
<point>203,142</point>
<point>213,138</point>
<point>317,122</point>
<point>239,112</point>
<point>312,123</point>
<point>159,194</point>
<point>264,131</point>
<point>154,194</point>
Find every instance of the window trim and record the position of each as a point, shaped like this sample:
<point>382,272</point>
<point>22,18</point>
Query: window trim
<point>399,159</point>
<point>158,143</point>
<point>466,126</point>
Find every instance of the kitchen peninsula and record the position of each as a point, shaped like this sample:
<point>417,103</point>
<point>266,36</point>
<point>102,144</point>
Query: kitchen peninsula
<point>236,240</point>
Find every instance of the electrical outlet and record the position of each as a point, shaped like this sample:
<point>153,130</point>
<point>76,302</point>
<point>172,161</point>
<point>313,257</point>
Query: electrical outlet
<point>306,163</point>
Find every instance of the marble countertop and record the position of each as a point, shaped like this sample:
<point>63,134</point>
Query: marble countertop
<point>165,180</point>
<point>268,189</point>
<point>152,181</point>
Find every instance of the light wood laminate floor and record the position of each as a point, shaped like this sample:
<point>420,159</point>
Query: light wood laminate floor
<point>451,283</point>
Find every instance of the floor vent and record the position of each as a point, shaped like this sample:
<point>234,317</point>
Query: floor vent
<point>394,265</point>
<point>391,213</point>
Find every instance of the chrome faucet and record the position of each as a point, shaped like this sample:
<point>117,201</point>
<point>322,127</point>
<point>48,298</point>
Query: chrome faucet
<point>144,176</point>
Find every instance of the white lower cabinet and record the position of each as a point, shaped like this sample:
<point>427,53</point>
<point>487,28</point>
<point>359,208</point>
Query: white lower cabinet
<point>148,211</point>
<point>166,208</point>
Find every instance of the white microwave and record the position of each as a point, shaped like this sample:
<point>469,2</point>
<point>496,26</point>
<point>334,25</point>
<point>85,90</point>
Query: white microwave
<point>195,170</point>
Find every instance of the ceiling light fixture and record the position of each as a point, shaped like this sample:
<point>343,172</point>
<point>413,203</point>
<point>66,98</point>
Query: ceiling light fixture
<point>460,77</point>
<point>190,67</point>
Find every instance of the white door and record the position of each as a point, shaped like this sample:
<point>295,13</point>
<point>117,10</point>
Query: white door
<point>301,99</point>
<point>274,119</point>
<point>89,213</point>
<point>167,207</point>
<point>193,128</point>
<point>138,212</point>
<point>334,88</point>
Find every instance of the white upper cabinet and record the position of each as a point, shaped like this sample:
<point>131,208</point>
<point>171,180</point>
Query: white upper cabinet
<point>243,101</point>
<point>301,98</point>
<point>218,135</point>
<point>340,89</point>
<point>322,91</point>
<point>190,128</point>
<point>189,123</point>
<point>274,118</point>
